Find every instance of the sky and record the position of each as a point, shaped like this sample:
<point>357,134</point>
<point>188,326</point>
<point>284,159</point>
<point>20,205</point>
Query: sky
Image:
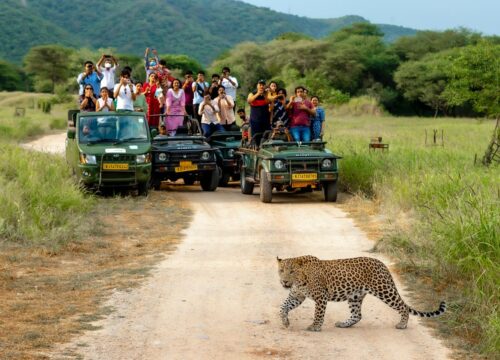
<point>479,15</point>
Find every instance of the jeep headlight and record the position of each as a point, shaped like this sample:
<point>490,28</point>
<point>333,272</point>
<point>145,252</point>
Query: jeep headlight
<point>326,164</point>
<point>88,159</point>
<point>230,153</point>
<point>205,155</point>
<point>163,157</point>
<point>279,164</point>
<point>143,158</point>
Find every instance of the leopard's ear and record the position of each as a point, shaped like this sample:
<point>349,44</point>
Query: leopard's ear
<point>277,258</point>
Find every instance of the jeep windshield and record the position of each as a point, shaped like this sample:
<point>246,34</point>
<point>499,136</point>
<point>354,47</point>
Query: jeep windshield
<point>114,129</point>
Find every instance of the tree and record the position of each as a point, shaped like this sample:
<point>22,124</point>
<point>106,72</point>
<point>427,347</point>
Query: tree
<point>10,77</point>
<point>425,80</point>
<point>475,78</point>
<point>426,42</point>
<point>49,64</point>
<point>361,29</point>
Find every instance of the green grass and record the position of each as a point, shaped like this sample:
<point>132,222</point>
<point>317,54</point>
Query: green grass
<point>454,205</point>
<point>34,122</point>
<point>41,204</point>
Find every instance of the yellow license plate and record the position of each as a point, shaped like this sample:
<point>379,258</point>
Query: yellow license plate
<point>186,168</point>
<point>110,166</point>
<point>184,163</point>
<point>304,177</point>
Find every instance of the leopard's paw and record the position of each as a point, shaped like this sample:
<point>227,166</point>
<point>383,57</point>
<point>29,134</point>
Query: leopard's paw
<point>285,321</point>
<point>314,328</point>
<point>342,324</point>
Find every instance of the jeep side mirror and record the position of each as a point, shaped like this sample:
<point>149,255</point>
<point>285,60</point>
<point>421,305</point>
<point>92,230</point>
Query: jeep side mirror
<point>71,133</point>
<point>154,132</point>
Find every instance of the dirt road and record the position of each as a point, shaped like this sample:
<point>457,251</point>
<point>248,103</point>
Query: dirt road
<point>218,295</point>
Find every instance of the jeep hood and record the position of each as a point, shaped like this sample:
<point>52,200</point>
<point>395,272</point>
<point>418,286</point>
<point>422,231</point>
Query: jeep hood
<point>134,148</point>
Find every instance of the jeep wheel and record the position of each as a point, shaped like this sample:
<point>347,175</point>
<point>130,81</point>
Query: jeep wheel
<point>330,191</point>
<point>155,184</point>
<point>210,180</point>
<point>188,180</point>
<point>266,188</point>
<point>246,186</point>
<point>224,179</point>
<point>143,188</point>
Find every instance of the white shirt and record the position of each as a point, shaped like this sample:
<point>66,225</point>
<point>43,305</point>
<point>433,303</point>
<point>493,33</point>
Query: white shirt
<point>208,116</point>
<point>108,77</point>
<point>230,88</point>
<point>100,101</point>
<point>197,98</point>
<point>226,110</point>
<point>124,99</point>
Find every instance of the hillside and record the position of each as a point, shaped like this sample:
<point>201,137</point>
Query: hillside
<point>198,28</point>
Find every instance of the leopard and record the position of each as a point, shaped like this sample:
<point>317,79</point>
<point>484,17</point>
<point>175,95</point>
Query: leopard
<point>341,280</point>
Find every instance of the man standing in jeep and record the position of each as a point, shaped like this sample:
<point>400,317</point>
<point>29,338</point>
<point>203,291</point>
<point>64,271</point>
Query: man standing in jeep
<point>200,89</point>
<point>90,76</point>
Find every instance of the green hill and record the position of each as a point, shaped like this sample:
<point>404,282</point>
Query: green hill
<point>198,28</point>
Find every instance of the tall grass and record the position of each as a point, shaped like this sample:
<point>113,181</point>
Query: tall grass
<point>455,205</point>
<point>40,203</point>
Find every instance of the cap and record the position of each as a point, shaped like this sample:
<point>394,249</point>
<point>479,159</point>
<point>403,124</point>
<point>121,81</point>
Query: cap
<point>261,81</point>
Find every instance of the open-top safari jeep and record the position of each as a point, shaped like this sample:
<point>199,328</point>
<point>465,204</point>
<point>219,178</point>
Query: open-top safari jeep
<point>287,166</point>
<point>227,144</point>
<point>109,149</point>
<point>184,156</point>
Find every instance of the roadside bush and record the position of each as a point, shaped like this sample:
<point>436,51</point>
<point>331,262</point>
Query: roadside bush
<point>41,204</point>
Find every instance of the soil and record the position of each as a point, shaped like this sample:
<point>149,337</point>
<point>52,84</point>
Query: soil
<point>217,296</point>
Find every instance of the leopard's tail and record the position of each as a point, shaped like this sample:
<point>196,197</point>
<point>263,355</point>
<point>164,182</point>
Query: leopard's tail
<point>441,310</point>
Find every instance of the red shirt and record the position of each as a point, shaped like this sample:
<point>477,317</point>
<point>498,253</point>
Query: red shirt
<point>300,117</point>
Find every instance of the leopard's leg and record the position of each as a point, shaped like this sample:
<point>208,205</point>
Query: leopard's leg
<point>293,300</point>
<point>319,313</point>
<point>392,298</point>
<point>355,301</point>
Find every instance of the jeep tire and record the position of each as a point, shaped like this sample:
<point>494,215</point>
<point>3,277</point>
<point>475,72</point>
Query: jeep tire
<point>156,184</point>
<point>246,186</point>
<point>209,180</point>
<point>143,188</point>
<point>266,188</point>
<point>189,179</point>
<point>224,179</point>
<point>330,191</point>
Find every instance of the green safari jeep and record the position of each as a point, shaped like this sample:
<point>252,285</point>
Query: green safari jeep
<point>288,166</point>
<point>110,149</point>
<point>227,143</point>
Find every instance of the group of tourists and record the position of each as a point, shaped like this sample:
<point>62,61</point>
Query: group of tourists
<point>166,100</point>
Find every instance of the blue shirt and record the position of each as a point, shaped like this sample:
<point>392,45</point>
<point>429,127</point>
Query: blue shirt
<point>93,79</point>
<point>320,115</point>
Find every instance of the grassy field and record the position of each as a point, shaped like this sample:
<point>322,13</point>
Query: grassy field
<point>442,211</point>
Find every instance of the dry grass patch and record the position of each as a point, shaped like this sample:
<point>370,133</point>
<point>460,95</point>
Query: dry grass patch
<point>49,297</point>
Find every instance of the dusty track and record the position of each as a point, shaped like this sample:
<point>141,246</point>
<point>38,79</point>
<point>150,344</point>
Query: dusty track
<point>218,295</point>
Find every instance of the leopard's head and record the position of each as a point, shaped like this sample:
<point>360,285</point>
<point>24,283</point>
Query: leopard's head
<point>288,269</point>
